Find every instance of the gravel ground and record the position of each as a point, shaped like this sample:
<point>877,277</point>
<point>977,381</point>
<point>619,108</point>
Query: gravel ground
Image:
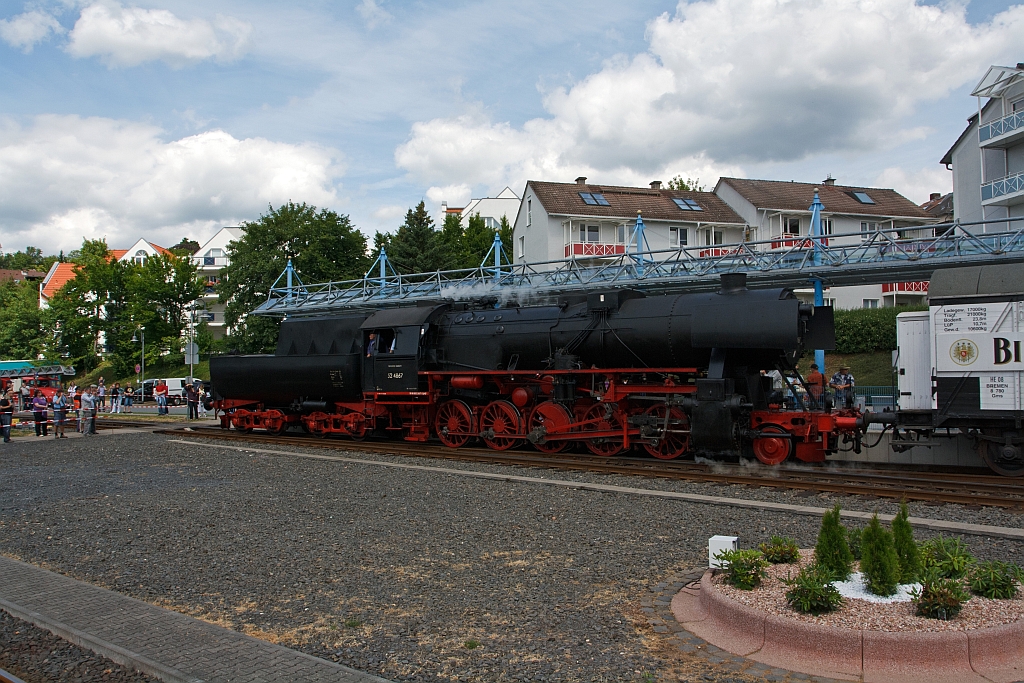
<point>411,575</point>
<point>38,656</point>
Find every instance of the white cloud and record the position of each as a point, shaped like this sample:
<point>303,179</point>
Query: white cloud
<point>373,14</point>
<point>129,36</point>
<point>389,213</point>
<point>455,195</point>
<point>730,82</point>
<point>25,30</point>
<point>916,185</point>
<point>120,179</point>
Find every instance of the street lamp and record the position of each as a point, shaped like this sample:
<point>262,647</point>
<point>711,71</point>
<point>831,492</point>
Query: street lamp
<point>142,386</point>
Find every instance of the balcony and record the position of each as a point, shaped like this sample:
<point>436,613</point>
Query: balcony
<point>1004,132</point>
<point>797,242</point>
<point>585,249</point>
<point>210,261</point>
<point>905,288</point>
<point>1006,191</point>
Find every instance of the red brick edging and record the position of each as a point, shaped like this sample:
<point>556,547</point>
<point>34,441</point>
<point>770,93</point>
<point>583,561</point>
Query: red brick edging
<point>988,654</point>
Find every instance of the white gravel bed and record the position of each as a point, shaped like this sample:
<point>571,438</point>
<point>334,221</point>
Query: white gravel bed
<point>978,612</point>
<point>856,588</point>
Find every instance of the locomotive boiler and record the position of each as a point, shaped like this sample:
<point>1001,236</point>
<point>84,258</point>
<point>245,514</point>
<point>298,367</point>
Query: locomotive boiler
<point>608,370</point>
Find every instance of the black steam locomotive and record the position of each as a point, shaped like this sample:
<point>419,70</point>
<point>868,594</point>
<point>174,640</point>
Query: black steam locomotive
<point>676,374</point>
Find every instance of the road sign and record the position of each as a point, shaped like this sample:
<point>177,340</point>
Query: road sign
<point>138,368</point>
<point>191,349</point>
<point>192,359</point>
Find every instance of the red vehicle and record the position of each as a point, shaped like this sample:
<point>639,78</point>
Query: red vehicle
<point>46,378</point>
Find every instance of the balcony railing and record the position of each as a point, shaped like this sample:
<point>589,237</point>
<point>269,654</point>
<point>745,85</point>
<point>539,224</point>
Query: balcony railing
<point>594,249</point>
<point>208,261</point>
<point>1002,188</point>
<point>794,241</point>
<point>905,287</point>
<point>1000,127</point>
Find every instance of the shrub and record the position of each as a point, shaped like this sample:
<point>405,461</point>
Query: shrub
<point>994,579</point>
<point>862,330</point>
<point>831,552</point>
<point>853,540</point>
<point>812,592</point>
<point>939,597</point>
<point>780,550</point>
<point>947,556</point>
<point>743,568</point>
<point>879,562</point>
<point>906,549</point>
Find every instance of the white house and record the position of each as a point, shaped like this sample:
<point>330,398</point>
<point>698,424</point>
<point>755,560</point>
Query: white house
<point>210,259</point>
<point>578,220</point>
<point>491,209</point>
<point>987,159</point>
<point>778,214</point>
<point>139,252</point>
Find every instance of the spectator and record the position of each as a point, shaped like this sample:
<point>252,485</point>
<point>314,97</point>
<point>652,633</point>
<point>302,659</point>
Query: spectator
<point>6,414</point>
<point>129,397</point>
<point>101,393</point>
<point>842,382</point>
<point>816,384</point>
<point>201,398</point>
<point>60,413</point>
<point>89,411</point>
<point>24,394</point>
<point>39,412</point>
<point>192,397</point>
<point>115,398</point>
<point>160,392</point>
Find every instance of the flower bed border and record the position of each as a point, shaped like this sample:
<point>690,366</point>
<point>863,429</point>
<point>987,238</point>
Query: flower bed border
<point>987,654</point>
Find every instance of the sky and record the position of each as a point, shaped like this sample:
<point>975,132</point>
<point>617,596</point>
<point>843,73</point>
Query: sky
<point>173,118</point>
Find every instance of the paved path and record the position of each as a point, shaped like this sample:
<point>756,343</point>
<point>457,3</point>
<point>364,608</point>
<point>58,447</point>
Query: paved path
<point>162,643</point>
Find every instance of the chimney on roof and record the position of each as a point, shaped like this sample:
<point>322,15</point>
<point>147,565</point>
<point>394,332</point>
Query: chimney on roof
<point>829,181</point>
<point>1020,65</point>
<point>582,180</point>
<point>934,195</point>
<point>655,184</point>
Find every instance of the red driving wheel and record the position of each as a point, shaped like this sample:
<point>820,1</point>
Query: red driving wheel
<point>454,424</point>
<point>499,421</point>
<point>554,418</point>
<point>676,437</point>
<point>773,450</point>
<point>600,419</point>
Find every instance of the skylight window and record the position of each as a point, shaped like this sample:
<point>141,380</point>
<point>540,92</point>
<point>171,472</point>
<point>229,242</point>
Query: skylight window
<point>594,199</point>
<point>688,204</point>
<point>862,197</point>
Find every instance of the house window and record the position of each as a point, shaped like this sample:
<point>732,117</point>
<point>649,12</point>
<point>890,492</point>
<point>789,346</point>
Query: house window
<point>826,226</point>
<point>620,234</point>
<point>687,204</point>
<point>1017,106</point>
<point>529,212</point>
<point>594,199</point>
<point>862,197</point>
<point>867,229</point>
<point>215,253</point>
<point>870,303</point>
<point>590,233</point>
<point>791,226</point>
<point>713,237</point>
<point>140,256</point>
<point>677,237</point>
<point>522,247</point>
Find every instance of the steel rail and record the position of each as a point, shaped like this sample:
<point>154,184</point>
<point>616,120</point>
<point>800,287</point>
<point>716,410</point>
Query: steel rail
<point>902,486</point>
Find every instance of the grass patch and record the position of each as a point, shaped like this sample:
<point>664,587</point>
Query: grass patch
<point>353,623</point>
<point>472,644</point>
<point>157,371</point>
<point>868,369</point>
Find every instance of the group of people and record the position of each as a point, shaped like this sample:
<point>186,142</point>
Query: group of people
<point>841,384</point>
<point>40,406</point>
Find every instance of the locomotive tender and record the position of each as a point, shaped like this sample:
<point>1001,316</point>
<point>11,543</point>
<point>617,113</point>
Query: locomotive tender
<point>675,374</point>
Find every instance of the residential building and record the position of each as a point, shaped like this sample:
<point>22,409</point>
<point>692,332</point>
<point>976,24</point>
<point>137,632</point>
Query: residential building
<point>987,159</point>
<point>940,207</point>
<point>585,221</point>
<point>140,251</point>
<point>491,209</point>
<point>16,276</point>
<point>55,278</point>
<point>778,213</point>
<point>211,258</point>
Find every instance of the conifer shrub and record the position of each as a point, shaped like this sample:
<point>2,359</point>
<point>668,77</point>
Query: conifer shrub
<point>879,562</point>
<point>812,592</point>
<point>949,557</point>
<point>744,569</point>
<point>853,540</point>
<point>994,579</point>
<point>832,552</point>
<point>780,550</point>
<point>906,549</point>
<point>939,597</point>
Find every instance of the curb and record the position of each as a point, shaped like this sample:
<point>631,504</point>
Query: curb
<point>989,654</point>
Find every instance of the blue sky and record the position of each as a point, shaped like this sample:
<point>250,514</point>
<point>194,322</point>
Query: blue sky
<point>170,119</point>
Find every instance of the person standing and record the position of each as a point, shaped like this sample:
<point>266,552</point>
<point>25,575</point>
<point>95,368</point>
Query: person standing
<point>816,384</point>
<point>200,400</point>
<point>24,394</point>
<point>39,412</point>
<point>192,397</point>
<point>160,392</point>
<point>89,411</point>
<point>60,413</point>
<point>115,398</point>
<point>101,393</point>
<point>6,414</point>
<point>129,397</point>
<point>843,383</point>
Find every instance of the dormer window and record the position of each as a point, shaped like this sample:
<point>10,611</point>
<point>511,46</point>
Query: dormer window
<point>594,199</point>
<point>862,197</point>
<point>140,257</point>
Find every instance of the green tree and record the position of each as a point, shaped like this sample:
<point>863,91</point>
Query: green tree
<point>879,562</point>
<point>416,247</point>
<point>476,241</point>
<point>831,551</point>
<point>20,321</point>
<point>906,549</point>
<point>686,185</point>
<point>451,238</point>
<point>506,235</point>
<point>30,259</point>
<point>323,245</point>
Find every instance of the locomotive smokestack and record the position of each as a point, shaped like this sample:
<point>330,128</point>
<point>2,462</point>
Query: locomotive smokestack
<point>733,282</point>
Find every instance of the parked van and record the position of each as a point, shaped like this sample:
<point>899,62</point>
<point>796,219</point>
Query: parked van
<point>175,389</point>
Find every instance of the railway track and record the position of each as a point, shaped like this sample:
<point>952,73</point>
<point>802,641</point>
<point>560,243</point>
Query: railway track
<point>931,487</point>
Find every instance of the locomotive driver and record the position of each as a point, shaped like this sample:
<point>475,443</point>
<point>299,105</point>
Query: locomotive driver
<point>371,348</point>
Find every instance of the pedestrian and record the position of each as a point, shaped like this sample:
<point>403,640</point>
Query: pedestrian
<point>816,384</point>
<point>24,394</point>
<point>89,410</point>
<point>115,398</point>
<point>6,414</point>
<point>842,382</point>
<point>60,413</point>
<point>160,392</point>
<point>192,397</point>
<point>201,400</point>
<point>39,412</point>
<point>129,397</point>
<point>101,393</point>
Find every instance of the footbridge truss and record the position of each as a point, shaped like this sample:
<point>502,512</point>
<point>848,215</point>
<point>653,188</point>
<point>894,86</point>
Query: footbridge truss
<point>883,256</point>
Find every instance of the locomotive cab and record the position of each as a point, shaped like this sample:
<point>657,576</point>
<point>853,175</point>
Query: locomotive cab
<point>393,343</point>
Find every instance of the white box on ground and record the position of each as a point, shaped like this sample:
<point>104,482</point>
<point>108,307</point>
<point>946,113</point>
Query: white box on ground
<point>717,544</point>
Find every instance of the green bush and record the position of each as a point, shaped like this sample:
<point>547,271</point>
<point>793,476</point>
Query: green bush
<point>853,540</point>
<point>939,597</point>
<point>743,568</point>
<point>906,549</point>
<point>947,556</point>
<point>879,562</point>
<point>812,592</point>
<point>780,550</point>
<point>861,330</point>
<point>831,552</point>
<point>994,579</point>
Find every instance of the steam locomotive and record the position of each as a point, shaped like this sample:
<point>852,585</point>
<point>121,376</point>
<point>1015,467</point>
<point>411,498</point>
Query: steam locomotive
<point>609,370</point>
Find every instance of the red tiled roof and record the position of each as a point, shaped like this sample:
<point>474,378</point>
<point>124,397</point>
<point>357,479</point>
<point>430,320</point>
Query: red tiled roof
<point>116,254</point>
<point>792,196</point>
<point>57,277</point>
<point>564,199</point>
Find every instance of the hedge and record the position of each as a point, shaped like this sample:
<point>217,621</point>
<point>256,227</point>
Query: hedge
<point>862,330</point>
